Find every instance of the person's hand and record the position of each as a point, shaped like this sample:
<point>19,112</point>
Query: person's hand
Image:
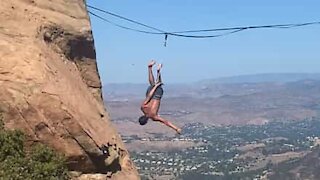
<point>158,84</point>
<point>178,131</point>
<point>151,63</point>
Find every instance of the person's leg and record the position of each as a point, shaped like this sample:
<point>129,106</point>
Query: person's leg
<point>151,78</point>
<point>151,93</point>
<point>159,73</point>
<point>167,123</point>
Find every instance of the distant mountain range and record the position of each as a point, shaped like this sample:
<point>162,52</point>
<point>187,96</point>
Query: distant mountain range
<point>250,78</point>
<point>236,85</point>
<point>253,99</point>
<point>268,77</point>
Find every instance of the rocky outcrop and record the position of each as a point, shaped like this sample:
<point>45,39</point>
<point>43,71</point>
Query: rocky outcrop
<point>50,86</point>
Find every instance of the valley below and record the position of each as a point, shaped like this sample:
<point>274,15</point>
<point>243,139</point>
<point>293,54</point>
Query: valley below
<point>233,130</point>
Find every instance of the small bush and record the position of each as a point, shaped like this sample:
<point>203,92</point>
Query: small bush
<point>41,163</point>
<point>11,144</point>
<point>46,164</point>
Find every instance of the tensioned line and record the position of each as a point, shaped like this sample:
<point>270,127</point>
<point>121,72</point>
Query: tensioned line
<point>231,30</point>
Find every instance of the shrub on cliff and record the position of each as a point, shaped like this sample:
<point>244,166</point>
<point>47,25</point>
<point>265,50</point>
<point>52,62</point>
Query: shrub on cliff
<point>40,163</point>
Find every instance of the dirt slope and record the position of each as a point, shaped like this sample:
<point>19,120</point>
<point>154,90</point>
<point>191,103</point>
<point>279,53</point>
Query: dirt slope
<point>50,86</point>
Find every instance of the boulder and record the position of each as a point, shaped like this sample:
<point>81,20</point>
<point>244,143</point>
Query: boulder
<point>50,85</point>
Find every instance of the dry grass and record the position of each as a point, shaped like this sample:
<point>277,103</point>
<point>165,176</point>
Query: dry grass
<point>250,147</point>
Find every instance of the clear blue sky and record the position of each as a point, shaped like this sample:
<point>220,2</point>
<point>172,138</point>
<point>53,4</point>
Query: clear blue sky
<point>122,55</point>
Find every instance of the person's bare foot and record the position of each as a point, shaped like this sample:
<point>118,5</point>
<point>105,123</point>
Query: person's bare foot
<point>159,67</point>
<point>151,63</point>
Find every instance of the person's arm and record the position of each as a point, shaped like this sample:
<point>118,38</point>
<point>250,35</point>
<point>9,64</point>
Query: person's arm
<point>167,123</point>
<point>152,91</point>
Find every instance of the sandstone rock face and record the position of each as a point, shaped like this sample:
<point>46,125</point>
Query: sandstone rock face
<point>50,86</point>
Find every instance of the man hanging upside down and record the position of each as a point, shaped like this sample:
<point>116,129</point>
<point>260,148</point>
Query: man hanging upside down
<point>150,106</point>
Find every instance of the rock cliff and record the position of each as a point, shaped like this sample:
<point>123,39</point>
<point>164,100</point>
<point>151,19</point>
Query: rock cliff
<point>50,86</point>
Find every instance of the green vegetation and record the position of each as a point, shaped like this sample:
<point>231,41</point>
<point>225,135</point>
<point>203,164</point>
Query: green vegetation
<point>15,163</point>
